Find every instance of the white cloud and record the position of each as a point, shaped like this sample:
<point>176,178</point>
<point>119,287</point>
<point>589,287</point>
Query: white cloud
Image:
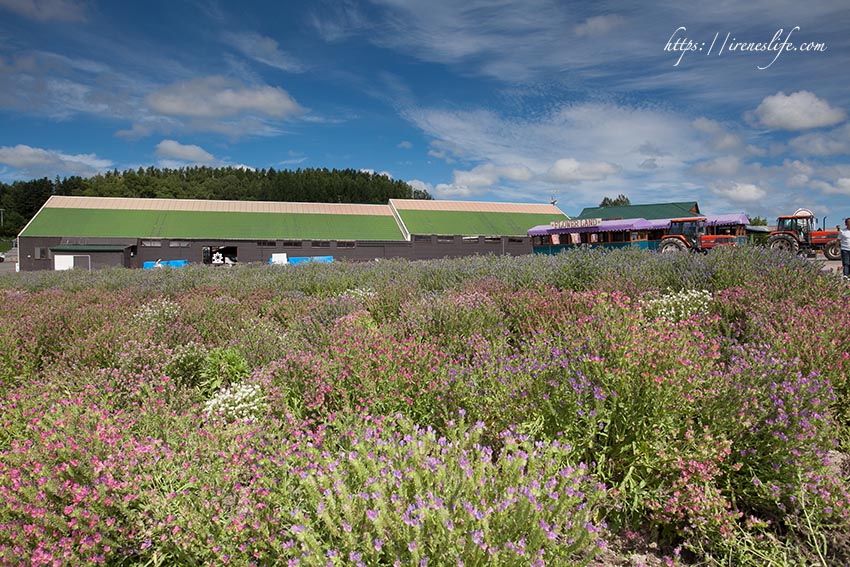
<point>405,145</point>
<point>489,174</point>
<point>587,132</point>
<point>797,181</point>
<point>515,172</point>
<point>263,49</point>
<point>491,37</point>
<point>36,162</point>
<point>293,159</point>
<point>420,185</point>
<point>480,180</point>
<point>218,97</point>
<point>756,151</point>
<point>651,150</point>
<point>739,192</point>
<point>171,149</point>
<point>599,25</point>
<point>443,150</point>
<point>454,191</point>
<point>569,170</point>
<point>386,174</point>
<point>605,147</point>
<point>25,156</point>
<point>798,111</point>
<point>723,166</point>
<point>720,139</point>
<point>148,125</point>
<point>840,187</point>
<point>834,142</point>
<point>44,10</point>
<point>345,19</point>
<point>798,173</point>
<point>58,87</point>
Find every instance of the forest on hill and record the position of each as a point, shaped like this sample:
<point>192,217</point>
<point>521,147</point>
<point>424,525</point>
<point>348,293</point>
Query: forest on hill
<point>20,200</point>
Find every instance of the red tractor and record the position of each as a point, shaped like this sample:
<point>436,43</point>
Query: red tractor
<point>689,234</point>
<point>796,234</point>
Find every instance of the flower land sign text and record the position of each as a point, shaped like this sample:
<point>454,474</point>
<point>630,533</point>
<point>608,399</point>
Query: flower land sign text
<point>576,223</point>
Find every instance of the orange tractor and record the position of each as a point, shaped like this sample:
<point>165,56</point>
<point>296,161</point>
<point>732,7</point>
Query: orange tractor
<point>689,234</point>
<point>797,234</point>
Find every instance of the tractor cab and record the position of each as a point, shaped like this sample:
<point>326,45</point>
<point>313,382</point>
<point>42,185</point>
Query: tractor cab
<point>800,225</point>
<point>690,229</point>
<point>690,234</point>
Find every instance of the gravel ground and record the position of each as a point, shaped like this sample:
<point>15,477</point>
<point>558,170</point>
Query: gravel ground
<point>832,265</point>
<point>8,267</point>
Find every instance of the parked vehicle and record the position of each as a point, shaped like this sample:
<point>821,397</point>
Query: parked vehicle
<point>2,257</point>
<point>665,235</point>
<point>797,234</point>
<point>690,234</point>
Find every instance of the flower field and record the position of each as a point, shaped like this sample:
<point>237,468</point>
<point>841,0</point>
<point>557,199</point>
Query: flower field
<point>484,411</point>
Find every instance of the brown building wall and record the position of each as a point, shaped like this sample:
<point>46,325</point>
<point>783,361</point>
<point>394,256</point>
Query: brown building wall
<point>35,253</point>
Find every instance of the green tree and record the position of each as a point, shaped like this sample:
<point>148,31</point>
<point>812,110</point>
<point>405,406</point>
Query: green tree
<point>22,199</point>
<point>758,237</point>
<point>619,201</point>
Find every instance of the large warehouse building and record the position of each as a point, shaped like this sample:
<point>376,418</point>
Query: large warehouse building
<point>95,232</point>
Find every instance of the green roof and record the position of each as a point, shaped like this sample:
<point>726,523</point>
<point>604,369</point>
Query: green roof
<point>112,223</point>
<point>649,212</point>
<point>473,223</point>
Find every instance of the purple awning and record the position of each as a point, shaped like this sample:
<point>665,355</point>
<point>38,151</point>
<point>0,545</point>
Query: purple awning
<point>659,224</point>
<point>539,230</point>
<point>622,225</point>
<point>727,219</point>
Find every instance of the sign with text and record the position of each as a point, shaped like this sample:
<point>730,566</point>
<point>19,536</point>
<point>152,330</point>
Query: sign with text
<point>576,223</point>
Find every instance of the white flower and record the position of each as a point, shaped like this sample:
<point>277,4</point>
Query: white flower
<point>157,312</point>
<point>239,402</point>
<point>677,306</point>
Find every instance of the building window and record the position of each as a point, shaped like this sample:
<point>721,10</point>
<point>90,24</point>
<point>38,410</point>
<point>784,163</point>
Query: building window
<point>292,244</point>
<point>179,244</point>
<point>40,253</point>
<point>445,239</point>
<point>492,239</point>
<point>516,240</point>
<point>470,240</point>
<point>421,238</point>
<point>321,244</point>
<point>345,244</point>
<point>266,243</point>
<point>152,243</point>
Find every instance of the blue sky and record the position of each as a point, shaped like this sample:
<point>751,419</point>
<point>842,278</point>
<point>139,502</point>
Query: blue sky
<point>741,106</point>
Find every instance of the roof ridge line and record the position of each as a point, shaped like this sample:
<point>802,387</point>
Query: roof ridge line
<point>401,226</point>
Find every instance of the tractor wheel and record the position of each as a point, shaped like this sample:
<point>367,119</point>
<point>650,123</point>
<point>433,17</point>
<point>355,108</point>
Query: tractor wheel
<point>832,251</point>
<point>783,242</point>
<point>671,246</point>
